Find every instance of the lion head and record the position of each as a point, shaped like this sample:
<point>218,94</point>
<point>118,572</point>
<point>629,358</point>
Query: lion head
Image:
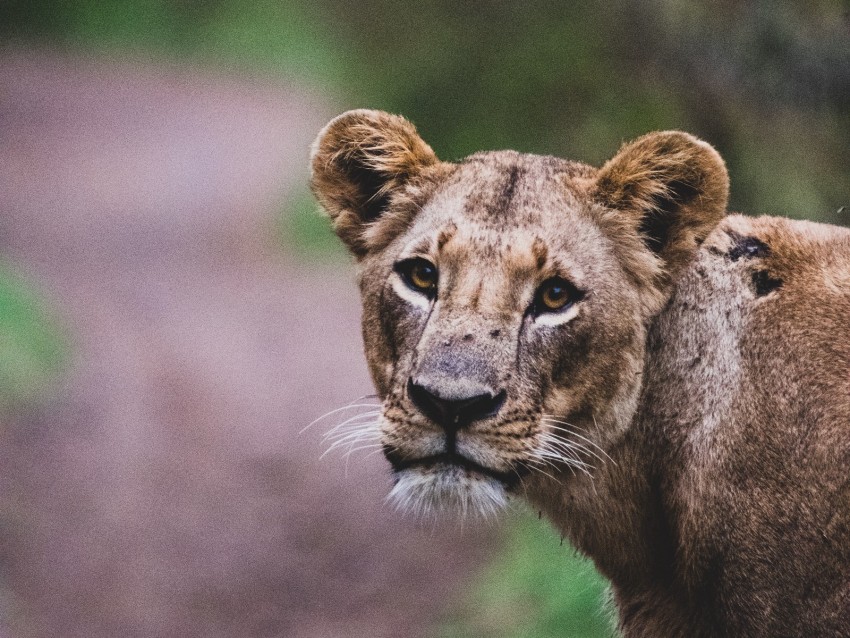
<point>507,297</point>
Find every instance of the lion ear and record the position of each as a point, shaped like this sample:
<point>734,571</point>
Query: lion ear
<point>358,161</point>
<point>673,186</point>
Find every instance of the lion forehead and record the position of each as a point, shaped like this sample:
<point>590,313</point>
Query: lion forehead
<point>506,189</point>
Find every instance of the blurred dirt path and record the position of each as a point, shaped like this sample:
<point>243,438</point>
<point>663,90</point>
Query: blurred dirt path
<point>166,491</point>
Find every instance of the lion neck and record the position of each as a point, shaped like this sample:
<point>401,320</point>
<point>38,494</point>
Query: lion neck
<point>642,515</point>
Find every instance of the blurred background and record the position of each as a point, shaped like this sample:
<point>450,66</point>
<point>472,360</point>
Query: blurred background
<point>173,309</point>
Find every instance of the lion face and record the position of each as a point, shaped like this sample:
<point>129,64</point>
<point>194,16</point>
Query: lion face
<point>506,298</point>
<point>495,344</point>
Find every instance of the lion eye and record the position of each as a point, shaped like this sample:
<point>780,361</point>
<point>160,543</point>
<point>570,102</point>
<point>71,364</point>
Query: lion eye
<point>420,274</point>
<point>555,294</point>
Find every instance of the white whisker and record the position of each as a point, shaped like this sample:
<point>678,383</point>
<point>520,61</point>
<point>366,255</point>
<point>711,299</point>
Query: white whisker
<point>533,465</point>
<point>555,451</point>
<point>345,407</point>
<point>366,422</point>
<point>596,424</point>
<point>352,439</point>
<point>570,461</point>
<point>363,415</point>
<point>550,422</point>
<point>353,422</point>
<point>368,446</point>
<point>355,440</point>
<point>569,448</point>
<point>563,454</point>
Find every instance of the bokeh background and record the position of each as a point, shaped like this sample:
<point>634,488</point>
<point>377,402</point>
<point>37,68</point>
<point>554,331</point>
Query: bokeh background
<point>173,309</point>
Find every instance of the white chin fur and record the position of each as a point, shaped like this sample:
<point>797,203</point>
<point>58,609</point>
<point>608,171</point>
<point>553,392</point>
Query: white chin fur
<point>447,491</point>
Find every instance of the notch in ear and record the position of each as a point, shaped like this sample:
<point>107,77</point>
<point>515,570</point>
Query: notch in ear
<point>673,187</point>
<point>358,162</point>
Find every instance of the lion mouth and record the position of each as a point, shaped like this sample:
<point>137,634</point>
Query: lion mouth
<point>454,460</point>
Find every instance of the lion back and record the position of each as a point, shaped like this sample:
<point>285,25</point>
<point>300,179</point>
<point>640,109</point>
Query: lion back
<point>748,382</point>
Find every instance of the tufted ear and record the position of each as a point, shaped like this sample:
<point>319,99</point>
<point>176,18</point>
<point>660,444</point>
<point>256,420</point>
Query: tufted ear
<point>359,161</point>
<point>673,187</point>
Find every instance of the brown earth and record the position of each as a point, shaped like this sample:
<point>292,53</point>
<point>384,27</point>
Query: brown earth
<point>165,490</point>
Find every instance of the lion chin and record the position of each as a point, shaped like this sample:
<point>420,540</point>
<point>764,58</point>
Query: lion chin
<point>447,489</point>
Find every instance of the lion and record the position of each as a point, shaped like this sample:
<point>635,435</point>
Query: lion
<point>669,384</point>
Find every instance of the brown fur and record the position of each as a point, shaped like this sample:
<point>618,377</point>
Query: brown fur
<point>686,421</point>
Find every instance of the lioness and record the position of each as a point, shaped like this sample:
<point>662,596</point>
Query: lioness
<point>669,385</point>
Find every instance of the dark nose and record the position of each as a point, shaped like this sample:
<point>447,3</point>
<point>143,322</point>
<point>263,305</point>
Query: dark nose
<point>457,412</point>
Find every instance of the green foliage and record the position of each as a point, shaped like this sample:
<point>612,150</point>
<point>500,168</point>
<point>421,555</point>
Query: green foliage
<point>31,347</point>
<point>538,588</point>
<point>291,38</point>
<point>306,231</point>
<point>539,77</point>
<point>764,81</point>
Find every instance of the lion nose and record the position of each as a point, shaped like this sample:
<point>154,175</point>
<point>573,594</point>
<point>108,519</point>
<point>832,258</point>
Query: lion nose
<point>458,411</point>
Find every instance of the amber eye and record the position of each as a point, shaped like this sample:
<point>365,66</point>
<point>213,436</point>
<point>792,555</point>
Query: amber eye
<point>419,274</point>
<point>555,294</point>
